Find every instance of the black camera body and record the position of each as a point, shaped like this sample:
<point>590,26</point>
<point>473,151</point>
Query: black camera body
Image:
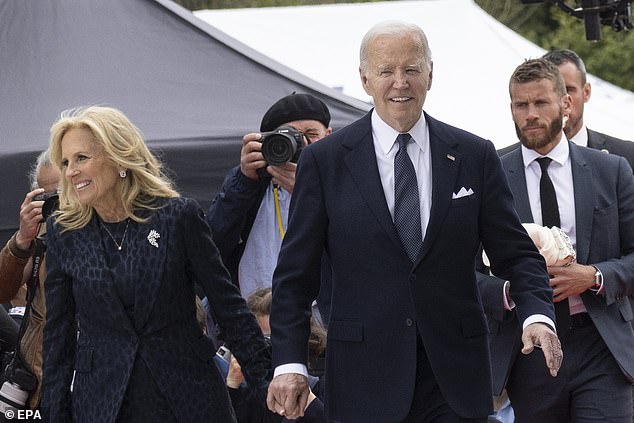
<point>18,384</point>
<point>51,203</point>
<point>282,145</point>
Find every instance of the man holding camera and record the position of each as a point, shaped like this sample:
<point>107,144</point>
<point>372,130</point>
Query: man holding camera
<point>248,216</point>
<point>16,264</point>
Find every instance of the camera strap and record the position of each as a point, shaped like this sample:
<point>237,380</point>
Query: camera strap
<point>278,212</point>
<point>32,284</point>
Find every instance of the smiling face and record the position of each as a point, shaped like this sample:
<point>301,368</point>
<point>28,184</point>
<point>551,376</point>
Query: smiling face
<point>89,174</point>
<point>397,78</point>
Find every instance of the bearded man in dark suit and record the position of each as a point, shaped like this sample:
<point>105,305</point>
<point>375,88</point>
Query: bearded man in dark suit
<point>573,70</point>
<point>590,197</point>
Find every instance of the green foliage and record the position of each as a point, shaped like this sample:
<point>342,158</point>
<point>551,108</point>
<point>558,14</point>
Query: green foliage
<point>611,59</point>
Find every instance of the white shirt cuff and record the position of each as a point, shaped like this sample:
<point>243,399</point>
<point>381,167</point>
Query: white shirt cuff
<point>509,304</point>
<point>291,368</point>
<point>539,318</point>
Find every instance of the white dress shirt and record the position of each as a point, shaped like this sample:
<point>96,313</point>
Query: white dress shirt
<point>386,147</point>
<point>581,137</point>
<point>560,172</point>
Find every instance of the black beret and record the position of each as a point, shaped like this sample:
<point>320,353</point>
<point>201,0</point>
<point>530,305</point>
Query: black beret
<point>295,107</point>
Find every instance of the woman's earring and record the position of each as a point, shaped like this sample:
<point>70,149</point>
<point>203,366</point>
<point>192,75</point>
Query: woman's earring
<point>123,173</point>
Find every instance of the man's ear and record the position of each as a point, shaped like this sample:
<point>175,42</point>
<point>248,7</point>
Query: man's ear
<point>431,75</point>
<point>364,81</point>
<point>566,102</point>
<point>587,92</point>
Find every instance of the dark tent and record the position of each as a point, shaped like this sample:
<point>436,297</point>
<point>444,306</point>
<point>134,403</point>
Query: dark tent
<point>191,89</point>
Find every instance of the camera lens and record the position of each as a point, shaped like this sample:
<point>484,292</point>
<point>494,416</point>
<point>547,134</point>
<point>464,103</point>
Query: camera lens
<point>278,149</point>
<point>51,203</point>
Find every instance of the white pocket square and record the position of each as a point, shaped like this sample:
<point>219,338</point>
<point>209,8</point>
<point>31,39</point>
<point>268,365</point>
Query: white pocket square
<point>462,193</point>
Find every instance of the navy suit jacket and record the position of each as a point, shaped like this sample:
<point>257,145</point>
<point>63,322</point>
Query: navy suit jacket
<point>604,214</point>
<point>163,335</point>
<point>380,300</point>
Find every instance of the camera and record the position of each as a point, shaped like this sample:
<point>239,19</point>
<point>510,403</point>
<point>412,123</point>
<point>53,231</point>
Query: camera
<point>224,353</point>
<point>17,386</point>
<point>615,13</point>
<point>282,145</point>
<point>51,203</point>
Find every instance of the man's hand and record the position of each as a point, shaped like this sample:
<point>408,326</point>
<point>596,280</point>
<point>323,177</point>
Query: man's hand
<point>288,395</point>
<point>284,175</point>
<point>251,158</point>
<point>541,336</point>
<point>570,280</point>
<point>30,218</point>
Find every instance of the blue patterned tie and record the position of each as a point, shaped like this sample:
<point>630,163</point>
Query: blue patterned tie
<point>406,200</point>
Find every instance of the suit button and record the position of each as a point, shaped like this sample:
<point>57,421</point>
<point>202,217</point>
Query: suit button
<point>409,322</point>
<point>412,278</point>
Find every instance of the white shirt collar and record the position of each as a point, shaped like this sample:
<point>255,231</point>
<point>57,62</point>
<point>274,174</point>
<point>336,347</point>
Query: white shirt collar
<point>581,138</point>
<point>386,135</point>
<point>559,154</point>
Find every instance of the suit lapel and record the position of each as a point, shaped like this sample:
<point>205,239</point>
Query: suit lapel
<point>516,176</point>
<point>595,140</point>
<point>444,174</point>
<point>361,162</point>
<point>584,201</point>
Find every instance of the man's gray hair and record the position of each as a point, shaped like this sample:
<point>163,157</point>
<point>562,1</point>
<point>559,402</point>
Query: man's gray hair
<point>394,28</point>
<point>43,160</point>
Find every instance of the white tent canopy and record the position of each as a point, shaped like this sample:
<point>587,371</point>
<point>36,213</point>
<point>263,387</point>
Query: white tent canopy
<point>474,56</point>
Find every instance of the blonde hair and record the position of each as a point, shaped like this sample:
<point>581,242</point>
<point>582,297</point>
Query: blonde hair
<point>123,145</point>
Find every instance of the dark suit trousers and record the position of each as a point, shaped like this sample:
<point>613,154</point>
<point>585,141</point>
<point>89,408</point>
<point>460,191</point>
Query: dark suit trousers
<point>590,386</point>
<point>428,404</point>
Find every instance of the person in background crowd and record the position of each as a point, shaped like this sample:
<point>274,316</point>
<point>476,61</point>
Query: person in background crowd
<point>400,203</point>
<point>248,217</point>
<point>123,254</point>
<point>590,196</point>
<point>247,409</point>
<point>16,265</point>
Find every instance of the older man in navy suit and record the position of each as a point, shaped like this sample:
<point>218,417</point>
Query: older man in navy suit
<point>400,203</point>
<point>590,196</point>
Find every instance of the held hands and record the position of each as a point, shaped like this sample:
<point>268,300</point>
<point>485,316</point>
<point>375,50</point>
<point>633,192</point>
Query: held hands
<point>251,160</point>
<point>288,395</point>
<point>570,280</point>
<point>30,218</point>
<point>541,336</point>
